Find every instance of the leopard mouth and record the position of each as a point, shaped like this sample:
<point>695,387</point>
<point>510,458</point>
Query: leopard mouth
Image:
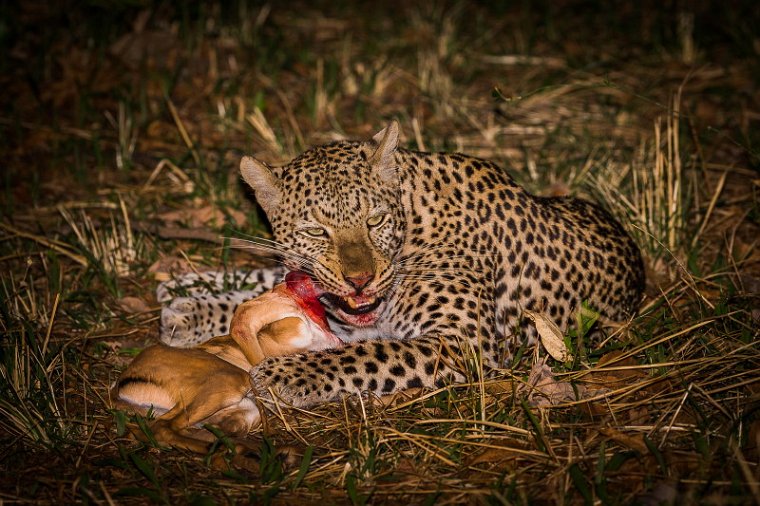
<point>354,305</point>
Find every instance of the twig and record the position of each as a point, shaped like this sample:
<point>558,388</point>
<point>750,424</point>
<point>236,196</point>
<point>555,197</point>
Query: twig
<point>487,423</point>
<point>46,242</point>
<point>191,234</point>
<point>675,415</point>
<point>50,323</point>
<point>183,132</point>
<point>165,162</point>
<point>710,208</point>
<point>746,471</point>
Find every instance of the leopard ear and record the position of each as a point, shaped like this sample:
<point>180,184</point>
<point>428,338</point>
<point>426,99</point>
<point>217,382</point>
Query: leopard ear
<point>382,160</point>
<point>265,184</point>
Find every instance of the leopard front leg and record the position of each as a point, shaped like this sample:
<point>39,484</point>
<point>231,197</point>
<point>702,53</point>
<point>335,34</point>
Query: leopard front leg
<point>380,367</point>
<point>207,305</point>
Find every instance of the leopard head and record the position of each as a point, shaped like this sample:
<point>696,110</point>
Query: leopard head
<point>336,213</point>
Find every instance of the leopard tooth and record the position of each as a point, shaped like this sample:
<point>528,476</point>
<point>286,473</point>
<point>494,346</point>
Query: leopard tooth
<point>351,302</point>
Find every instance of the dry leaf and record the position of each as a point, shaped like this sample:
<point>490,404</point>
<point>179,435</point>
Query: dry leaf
<point>170,264</point>
<point>166,267</point>
<point>497,456</point>
<point>399,397</point>
<point>133,305</point>
<point>551,336</point>
<point>508,386</point>
<point>202,217</point>
<point>545,390</point>
<point>633,442</point>
<point>594,409</point>
<point>637,416</point>
<point>407,466</point>
<point>600,379</point>
<point>156,47</point>
<point>659,276</point>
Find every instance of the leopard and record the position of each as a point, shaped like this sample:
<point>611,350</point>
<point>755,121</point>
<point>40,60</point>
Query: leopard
<point>425,259</point>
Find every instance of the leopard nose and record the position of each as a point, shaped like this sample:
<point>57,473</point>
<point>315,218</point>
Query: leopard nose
<point>359,281</point>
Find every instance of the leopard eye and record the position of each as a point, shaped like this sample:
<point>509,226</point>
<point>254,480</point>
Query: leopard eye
<point>377,220</point>
<point>315,232</point>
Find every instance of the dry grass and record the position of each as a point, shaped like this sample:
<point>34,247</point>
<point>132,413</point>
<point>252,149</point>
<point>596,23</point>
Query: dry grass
<point>120,126</point>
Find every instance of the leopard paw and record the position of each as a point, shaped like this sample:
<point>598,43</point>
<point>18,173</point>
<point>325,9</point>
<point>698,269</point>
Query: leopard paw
<point>179,323</point>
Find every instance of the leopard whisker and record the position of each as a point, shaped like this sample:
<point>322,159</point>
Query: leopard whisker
<point>268,246</point>
<point>284,260</point>
<point>270,250</point>
<point>262,241</point>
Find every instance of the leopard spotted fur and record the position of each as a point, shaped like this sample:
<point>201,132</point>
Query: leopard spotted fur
<point>421,254</point>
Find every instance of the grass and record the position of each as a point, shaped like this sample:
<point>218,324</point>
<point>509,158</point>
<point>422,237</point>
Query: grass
<point>121,129</point>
